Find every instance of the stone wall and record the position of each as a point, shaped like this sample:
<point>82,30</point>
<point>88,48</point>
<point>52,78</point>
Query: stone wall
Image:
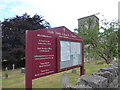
<point>105,78</point>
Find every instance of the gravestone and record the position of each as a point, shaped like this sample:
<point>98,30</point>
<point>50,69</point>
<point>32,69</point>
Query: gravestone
<point>23,70</point>
<point>6,68</point>
<point>13,66</point>
<point>84,71</point>
<point>6,75</point>
<point>65,80</point>
<point>74,71</point>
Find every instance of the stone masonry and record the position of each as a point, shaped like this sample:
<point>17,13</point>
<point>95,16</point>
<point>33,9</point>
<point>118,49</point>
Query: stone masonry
<point>105,78</point>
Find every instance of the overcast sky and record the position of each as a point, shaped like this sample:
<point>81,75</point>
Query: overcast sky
<point>60,12</point>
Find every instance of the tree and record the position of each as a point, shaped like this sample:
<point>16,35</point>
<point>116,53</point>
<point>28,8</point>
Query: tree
<point>89,32</point>
<point>13,34</point>
<point>108,44</point>
<point>104,44</point>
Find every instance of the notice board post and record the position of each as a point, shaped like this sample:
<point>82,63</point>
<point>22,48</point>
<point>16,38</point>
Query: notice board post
<point>50,51</point>
<point>28,75</point>
<point>82,70</point>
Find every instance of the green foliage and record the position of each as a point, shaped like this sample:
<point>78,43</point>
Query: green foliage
<point>109,41</point>
<point>13,35</point>
<point>103,44</point>
<point>88,32</point>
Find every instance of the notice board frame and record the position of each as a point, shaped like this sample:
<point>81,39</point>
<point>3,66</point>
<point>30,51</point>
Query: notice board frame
<point>60,33</point>
<point>58,55</point>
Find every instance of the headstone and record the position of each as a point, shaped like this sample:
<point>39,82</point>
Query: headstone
<point>65,80</point>
<point>23,70</point>
<point>13,66</point>
<point>6,68</point>
<point>6,75</point>
<point>74,71</point>
<point>84,71</point>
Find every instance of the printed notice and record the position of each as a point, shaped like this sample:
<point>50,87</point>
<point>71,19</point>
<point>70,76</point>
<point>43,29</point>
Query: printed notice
<point>75,52</point>
<point>65,50</point>
<point>75,48</point>
<point>75,59</point>
<point>70,50</point>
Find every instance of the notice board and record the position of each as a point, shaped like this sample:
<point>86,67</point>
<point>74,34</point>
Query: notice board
<point>70,53</point>
<point>49,50</point>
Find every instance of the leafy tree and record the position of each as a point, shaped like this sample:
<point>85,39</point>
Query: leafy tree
<point>0,43</point>
<point>108,44</point>
<point>90,36</point>
<point>13,34</point>
<point>104,44</point>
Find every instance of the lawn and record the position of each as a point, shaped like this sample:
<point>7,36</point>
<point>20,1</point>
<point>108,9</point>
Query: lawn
<point>17,80</point>
<point>0,78</point>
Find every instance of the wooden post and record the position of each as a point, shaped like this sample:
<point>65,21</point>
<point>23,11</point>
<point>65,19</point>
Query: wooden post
<point>81,70</point>
<point>82,67</point>
<point>28,74</point>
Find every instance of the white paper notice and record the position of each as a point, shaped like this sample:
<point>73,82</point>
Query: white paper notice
<point>65,50</point>
<point>75,48</point>
<point>75,59</point>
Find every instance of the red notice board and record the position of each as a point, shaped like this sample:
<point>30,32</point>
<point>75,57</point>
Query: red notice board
<point>45,52</point>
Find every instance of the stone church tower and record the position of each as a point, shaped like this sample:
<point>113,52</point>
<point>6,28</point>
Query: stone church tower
<point>88,22</point>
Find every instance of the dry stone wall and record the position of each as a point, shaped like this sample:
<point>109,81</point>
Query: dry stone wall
<point>105,78</point>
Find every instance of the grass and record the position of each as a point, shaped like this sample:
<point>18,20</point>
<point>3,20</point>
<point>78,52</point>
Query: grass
<point>17,80</point>
<point>0,79</point>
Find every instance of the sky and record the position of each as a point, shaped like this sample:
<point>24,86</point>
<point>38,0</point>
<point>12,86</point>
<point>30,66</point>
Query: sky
<point>60,12</point>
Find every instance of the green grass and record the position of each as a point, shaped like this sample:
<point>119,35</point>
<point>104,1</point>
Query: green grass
<point>0,79</point>
<point>17,80</point>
